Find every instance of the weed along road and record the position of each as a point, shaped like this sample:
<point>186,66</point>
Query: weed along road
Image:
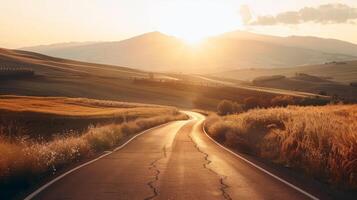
<point>173,161</point>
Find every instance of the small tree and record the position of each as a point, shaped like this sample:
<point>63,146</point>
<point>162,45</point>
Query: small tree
<point>237,108</point>
<point>251,102</point>
<point>225,107</point>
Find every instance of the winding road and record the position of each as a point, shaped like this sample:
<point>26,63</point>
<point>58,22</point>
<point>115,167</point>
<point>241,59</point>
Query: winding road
<point>173,161</point>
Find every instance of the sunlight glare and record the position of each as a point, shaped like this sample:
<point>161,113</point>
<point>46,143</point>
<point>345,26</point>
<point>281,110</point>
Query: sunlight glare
<point>193,41</point>
<point>194,21</point>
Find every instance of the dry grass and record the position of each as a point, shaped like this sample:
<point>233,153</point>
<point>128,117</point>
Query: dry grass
<point>62,106</point>
<point>25,160</point>
<point>44,117</point>
<point>321,141</point>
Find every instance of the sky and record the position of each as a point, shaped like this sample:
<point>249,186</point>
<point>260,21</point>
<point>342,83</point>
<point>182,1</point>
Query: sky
<point>36,22</point>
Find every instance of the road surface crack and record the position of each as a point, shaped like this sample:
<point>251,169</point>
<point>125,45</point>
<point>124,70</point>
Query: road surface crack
<point>224,186</point>
<point>157,172</point>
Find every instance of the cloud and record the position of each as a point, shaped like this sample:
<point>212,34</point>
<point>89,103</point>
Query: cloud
<point>324,14</point>
<point>246,14</point>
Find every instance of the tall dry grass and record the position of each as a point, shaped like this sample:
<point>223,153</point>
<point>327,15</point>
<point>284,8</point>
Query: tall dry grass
<point>321,141</point>
<point>25,162</point>
<point>41,135</point>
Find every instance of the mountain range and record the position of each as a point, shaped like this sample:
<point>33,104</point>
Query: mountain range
<point>156,51</point>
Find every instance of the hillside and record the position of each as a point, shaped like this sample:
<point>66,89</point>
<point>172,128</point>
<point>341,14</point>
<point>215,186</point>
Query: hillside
<point>158,52</point>
<point>60,77</point>
<point>46,65</point>
<point>344,73</point>
<point>45,117</point>
<point>306,42</point>
<point>308,83</point>
<point>147,52</point>
<point>70,107</point>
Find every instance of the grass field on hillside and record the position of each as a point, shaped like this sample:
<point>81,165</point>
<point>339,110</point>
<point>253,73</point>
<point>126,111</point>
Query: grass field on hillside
<point>27,155</point>
<point>62,106</point>
<point>45,117</point>
<point>344,73</point>
<point>321,141</point>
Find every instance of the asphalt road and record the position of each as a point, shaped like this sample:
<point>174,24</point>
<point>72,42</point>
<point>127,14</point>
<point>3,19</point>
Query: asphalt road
<point>175,161</point>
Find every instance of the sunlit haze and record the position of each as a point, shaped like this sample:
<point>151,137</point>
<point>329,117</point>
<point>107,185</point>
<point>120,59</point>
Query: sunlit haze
<point>26,23</point>
<point>193,21</point>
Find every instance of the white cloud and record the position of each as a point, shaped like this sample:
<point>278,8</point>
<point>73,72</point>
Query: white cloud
<point>324,14</point>
<point>245,14</point>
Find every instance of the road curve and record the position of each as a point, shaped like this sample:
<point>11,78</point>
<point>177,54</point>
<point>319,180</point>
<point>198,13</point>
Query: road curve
<point>175,161</point>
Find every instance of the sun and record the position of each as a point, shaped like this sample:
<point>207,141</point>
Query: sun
<point>193,21</point>
<point>192,40</point>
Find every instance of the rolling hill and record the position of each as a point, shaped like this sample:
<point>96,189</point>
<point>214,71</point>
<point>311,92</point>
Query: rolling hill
<point>60,77</point>
<point>159,52</point>
<point>306,42</point>
<point>308,83</point>
<point>68,78</point>
<point>343,72</point>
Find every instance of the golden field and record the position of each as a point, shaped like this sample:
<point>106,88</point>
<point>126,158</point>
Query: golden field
<point>46,117</point>
<point>76,107</point>
<point>25,160</point>
<point>320,141</point>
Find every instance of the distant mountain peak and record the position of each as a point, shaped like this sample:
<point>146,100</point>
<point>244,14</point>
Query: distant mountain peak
<point>61,45</point>
<point>154,34</point>
<point>156,51</point>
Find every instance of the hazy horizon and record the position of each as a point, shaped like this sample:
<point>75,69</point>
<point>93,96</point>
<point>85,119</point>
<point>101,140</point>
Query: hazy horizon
<point>156,31</point>
<point>50,22</point>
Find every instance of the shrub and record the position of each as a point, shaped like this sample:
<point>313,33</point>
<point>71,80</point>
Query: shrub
<point>225,107</point>
<point>252,102</point>
<point>282,101</point>
<point>313,102</point>
<point>237,108</point>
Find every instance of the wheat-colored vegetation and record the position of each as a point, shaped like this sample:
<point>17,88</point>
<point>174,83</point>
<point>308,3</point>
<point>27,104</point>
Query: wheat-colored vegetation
<point>80,107</point>
<point>321,141</point>
<point>24,159</point>
<point>46,117</point>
